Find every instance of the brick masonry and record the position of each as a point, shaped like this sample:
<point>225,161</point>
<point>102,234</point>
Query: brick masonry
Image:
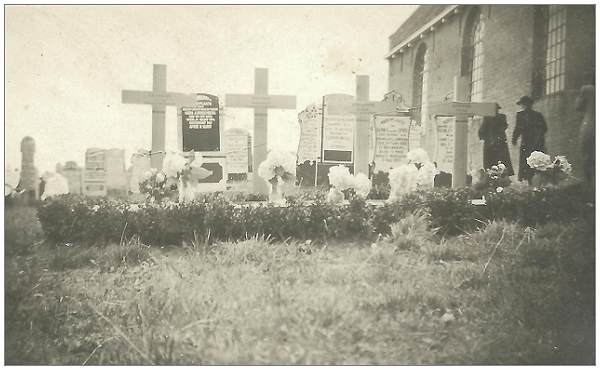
<point>508,67</point>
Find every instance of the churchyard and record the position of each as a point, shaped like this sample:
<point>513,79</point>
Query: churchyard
<point>358,247</point>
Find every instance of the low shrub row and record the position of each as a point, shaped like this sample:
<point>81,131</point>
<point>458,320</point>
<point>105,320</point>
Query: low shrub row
<point>95,220</point>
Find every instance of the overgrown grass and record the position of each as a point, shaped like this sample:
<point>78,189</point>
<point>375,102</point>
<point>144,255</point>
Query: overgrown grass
<point>502,295</point>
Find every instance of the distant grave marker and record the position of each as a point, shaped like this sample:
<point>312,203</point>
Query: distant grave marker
<point>94,178</point>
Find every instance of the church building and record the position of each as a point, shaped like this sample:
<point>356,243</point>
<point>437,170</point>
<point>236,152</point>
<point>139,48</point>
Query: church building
<point>497,53</point>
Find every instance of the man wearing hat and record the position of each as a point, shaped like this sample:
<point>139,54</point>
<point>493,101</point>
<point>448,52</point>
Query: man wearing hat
<point>531,128</point>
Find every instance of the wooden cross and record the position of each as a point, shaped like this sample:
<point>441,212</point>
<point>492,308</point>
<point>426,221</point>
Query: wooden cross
<point>158,98</point>
<point>260,101</point>
<point>461,111</point>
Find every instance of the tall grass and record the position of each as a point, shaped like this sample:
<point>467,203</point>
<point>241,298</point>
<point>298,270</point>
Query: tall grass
<point>502,295</point>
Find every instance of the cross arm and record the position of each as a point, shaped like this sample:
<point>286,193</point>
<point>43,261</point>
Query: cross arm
<point>260,101</point>
<point>149,97</point>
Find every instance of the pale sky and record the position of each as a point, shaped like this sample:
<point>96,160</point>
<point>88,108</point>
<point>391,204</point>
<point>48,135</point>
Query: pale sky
<point>66,66</point>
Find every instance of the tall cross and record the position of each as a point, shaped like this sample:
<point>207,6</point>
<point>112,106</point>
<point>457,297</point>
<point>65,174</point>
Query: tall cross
<point>260,101</point>
<point>364,109</point>
<point>158,98</point>
<point>462,112</point>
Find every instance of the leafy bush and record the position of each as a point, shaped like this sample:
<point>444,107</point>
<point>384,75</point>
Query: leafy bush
<point>76,218</point>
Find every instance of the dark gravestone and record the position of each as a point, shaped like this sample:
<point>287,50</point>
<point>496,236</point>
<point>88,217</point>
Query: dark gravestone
<point>200,125</point>
<point>305,174</point>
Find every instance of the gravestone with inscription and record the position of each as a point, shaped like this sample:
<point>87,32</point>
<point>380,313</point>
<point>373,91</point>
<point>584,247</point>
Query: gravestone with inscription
<point>94,177</point>
<point>309,145</point>
<point>200,125</point>
<point>236,147</point>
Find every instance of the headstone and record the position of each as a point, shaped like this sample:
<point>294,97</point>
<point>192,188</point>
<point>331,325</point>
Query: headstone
<point>443,154</point>
<point>140,164</point>
<point>310,121</point>
<point>29,180</point>
<point>392,134</point>
<point>200,125</point>
<point>56,184</point>
<point>261,102</point>
<point>94,177</point>
<point>116,175</point>
<point>74,175</point>
<point>237,149</point>
<point>159,99</point>
<point>338,129</point>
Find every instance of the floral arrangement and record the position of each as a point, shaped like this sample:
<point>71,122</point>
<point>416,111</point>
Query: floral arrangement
<point>418,173</point>
<point>549,171</point>
<point>156,185</point>
<point>344,185</point>
<point>495,178</point>
<point>279,166</point>
<point>403,179</point>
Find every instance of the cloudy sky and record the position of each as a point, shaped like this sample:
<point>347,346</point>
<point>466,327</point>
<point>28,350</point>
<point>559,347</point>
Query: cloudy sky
<point>66,67</point>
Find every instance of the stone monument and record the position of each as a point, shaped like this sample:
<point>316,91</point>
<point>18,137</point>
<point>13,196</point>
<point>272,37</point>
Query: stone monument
<point>29,180</point>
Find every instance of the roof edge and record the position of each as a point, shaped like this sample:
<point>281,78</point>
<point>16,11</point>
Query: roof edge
<point>424,28</point>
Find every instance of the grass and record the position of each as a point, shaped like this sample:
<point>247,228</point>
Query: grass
<point>503,295</point>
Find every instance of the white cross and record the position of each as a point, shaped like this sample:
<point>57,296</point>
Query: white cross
<point>461,111</point>
<point>260,101</point>
<point>159,99</point>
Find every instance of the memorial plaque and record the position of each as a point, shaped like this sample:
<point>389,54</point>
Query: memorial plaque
<point>310,121</point>
<point>200,125</point>
<point>236,151</point>
<point>338,129</point>
<point>391,142</point>
<point>444,149</point>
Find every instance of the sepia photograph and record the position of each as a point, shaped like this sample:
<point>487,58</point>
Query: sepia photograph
<point>299,184</point>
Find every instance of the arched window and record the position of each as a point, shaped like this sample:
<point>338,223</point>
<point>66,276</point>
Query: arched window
<point>472,59</point>
<point>420,80</point>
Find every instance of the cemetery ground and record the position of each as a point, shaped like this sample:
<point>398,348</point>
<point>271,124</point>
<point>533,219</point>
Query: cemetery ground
<point>503,294</point>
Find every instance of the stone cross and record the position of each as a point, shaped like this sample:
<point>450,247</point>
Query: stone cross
<point>461,111</point>
<point>159,99</point>
<point>260,101</point>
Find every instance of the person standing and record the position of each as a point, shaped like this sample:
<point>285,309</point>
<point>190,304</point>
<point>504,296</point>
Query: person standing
<point>586,103</point>
<point>531,128</point>
<point>495,146</point>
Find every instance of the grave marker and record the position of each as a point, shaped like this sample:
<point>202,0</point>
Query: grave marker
<point>159,99</point>
<point>338,129</point>
<point>94,177</point>
<point>74,175</point>
<point>200,129</point>
<point>29,179</point>
<point>261,102</point>
<point>236,151</point>
<point>461,112</point>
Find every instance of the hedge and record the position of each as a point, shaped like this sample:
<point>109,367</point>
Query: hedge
<point>100,220</point>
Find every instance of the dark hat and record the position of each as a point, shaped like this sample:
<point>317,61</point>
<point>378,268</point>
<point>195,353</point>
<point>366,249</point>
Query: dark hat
<point>525,100</point>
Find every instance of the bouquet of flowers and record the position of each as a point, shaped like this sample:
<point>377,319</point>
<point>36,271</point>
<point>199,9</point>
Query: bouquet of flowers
<point>344,185</point>
<point>547,170</point>
<point>494,177</point>
<point>403,179</point>
<point>279,165</point>
<point>156,186</point>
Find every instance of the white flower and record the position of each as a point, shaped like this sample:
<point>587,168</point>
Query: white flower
<point>403,179</point>
<point>418,155</point>
<point>340,177</point>
<point>133,208</point>
<point>426,175</point>
<point>563,164</point>
<point>95,208</point>
<point>362,185</point>
<point>539,161</point>
<point>335,196</point>
<point>173,163</point>
<point>501,166</point>
<point>499,189</point>
<point>160,177</point>
<point>277,161</point>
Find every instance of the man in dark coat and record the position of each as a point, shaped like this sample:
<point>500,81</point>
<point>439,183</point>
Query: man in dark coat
<point>531,127</point>
<point>495,147</point>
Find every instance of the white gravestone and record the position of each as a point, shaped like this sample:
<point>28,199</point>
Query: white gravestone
<point>338,129</point>
<point>391,142</point>
<point>94,176</point>
<point>309,145</point>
